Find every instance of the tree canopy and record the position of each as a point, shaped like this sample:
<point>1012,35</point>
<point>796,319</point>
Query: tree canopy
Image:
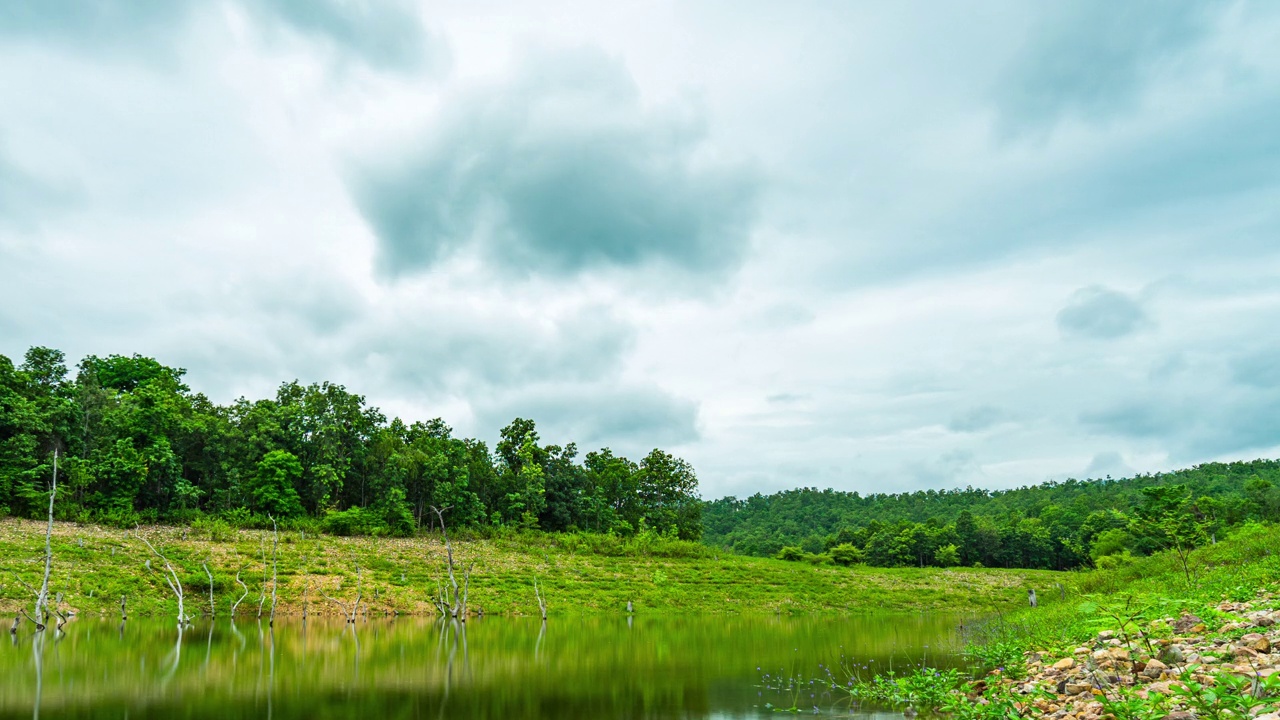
<point>139,445</point>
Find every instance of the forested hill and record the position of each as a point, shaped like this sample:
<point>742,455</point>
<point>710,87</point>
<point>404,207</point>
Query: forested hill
<point>136,444</point>
<point>1056,525</point>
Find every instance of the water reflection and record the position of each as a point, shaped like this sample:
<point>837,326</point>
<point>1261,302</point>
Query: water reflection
<point>510,668</point>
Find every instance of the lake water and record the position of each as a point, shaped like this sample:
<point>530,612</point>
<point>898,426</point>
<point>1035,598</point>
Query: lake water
<point>496,667</point>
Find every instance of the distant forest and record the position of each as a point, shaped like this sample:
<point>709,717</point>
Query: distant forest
<point>136,445</point>
<point>1055,525</point>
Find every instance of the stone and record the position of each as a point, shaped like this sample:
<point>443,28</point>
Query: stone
<point>1180,715</point>
<point>1076,688</point>
<point>1118,654</point>
<point>1185,623</point>
<point>1106,635</point>
<point>1172,655</point>
<point>1065,664</point>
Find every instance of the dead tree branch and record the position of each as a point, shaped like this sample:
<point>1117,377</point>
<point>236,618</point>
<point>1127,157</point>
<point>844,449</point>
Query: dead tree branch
<point>42,599</point>
<point>239,582</point>
<point>457,608</point>
<point>275,548</point>
<point>349,612</point>
<point>171,579</point>
<point>213,608</point>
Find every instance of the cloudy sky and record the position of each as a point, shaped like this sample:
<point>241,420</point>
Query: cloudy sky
<point>872,246</point>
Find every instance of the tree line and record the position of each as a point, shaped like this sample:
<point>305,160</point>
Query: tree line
<point>1055,525</point>
<point>137,445</point>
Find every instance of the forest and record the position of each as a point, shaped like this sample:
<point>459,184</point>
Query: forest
<point>1054,525</point>
<point>136,445</point>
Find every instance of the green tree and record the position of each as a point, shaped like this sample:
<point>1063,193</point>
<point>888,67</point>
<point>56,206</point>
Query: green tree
<point>273,489</point>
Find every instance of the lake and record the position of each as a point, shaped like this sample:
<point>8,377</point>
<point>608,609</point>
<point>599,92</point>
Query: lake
<point>495,667</point>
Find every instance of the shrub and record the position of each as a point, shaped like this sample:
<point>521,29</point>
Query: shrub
<point>1111,562</point>
<point>354,521</point>
<point>845,554</point>
<point>790,553</point>
<point>216,528</point>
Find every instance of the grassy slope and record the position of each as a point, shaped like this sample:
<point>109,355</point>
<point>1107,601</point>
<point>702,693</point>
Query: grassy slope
<point>401,574</point>
<point>1236,569</point>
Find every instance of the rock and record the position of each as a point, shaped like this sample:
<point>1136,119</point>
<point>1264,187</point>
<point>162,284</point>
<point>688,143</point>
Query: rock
<point>1118,654</point>
<point>1257,641</point>
<point>1065,664</point>
<point>1076,688</point>
<point>1172,655</point>
<point>1196,630</point>
<point>1244,651</point>
<point>1186,622</point>
<point>1180,715</point>
<point>1154,668</point>
<point>1106,635</point>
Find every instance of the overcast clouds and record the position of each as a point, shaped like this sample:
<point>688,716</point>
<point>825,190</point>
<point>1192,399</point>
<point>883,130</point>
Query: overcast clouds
<point>869,246</point>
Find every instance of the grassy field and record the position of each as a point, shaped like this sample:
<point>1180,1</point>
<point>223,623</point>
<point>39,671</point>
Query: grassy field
<point>95,566</point>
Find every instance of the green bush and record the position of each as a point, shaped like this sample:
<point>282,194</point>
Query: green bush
<point>354,521</point>
<point>845,554</point>
<point>790,553</point>
<point>216,528</point>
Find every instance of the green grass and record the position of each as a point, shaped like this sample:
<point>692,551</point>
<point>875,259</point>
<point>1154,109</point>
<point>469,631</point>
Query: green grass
<point>580,574</point>
<point>1237,569</point>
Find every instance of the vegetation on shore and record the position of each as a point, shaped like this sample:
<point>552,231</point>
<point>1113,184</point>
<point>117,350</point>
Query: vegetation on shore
<point>578,574</point>
<point>1143,641</point>
<point>1054,525</point>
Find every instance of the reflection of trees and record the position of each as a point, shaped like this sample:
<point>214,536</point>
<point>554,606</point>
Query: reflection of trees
<point>592,667</point>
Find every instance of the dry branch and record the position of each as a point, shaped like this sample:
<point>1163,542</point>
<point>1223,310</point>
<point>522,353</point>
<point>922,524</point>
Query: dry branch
<point>236,604</point>
<point>171,579</point>
<point>42,599</point>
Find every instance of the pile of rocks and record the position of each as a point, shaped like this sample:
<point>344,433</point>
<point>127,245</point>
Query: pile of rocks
<point>1156,659</point>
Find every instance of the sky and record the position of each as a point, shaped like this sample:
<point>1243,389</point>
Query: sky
<point>869,246</point>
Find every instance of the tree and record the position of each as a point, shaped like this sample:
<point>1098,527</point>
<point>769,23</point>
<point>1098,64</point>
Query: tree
<point>273,487</point>
<point>1168,516</point>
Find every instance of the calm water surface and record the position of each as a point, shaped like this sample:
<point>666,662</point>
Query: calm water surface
<point>380,669</point>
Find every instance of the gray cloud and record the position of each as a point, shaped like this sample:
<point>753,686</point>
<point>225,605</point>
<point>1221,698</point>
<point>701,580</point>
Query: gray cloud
<point>25,199</point>
<point>559,170</point>
<point>947,470</point>
<point>475,352</point>
<point>635,419</point>
<point>1259,369</point>
<point>976,419</point>
<point>1107,463</point>
<point>384,34</point>
<point>1092,59</point>
<point>1141,419</point>
<point>1100,313</point>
